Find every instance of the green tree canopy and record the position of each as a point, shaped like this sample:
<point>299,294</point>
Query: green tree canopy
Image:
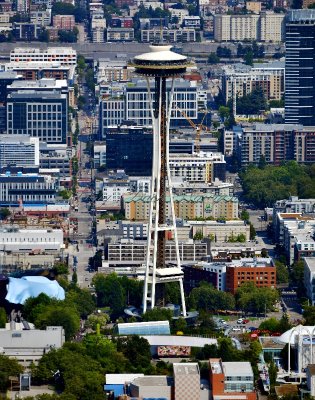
<point>8,367</point>
<point>257,300</point>
<point>208,298</point>
<point>264,186</point>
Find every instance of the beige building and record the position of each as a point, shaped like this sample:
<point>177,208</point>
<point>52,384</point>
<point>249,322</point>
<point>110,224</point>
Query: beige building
<point>188,207</point>
<point>220,231</point>
<point>236,27</point>
<point>240,80</point>
<point>266,26</point>
<point>272,27</point>
<point>186,381</point>
<point>253,6</point>
<point>203,167</point>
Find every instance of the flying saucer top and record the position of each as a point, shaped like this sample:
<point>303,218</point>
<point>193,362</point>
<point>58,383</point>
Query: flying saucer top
<point>160,53</point>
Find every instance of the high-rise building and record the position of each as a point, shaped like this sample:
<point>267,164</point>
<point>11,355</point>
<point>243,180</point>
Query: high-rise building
<point>39,114</point>
<point>63,55</point>
<point>300,68</point>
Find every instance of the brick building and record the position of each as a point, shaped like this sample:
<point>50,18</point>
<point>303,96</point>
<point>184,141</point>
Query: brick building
<point>231,380</point>
<point>261,271</point>
<point>64,22</point>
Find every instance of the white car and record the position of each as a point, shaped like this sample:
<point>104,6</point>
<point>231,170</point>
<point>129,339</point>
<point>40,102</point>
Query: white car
<point>240,321</point>
<point>236,329</point>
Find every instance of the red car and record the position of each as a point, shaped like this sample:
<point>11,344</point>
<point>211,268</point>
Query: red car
<point>246,321</point>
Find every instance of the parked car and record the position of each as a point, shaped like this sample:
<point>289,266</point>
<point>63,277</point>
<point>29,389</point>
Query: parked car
<point>236,329</point>
<point>240,321</point>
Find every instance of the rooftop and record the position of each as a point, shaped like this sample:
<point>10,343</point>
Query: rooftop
<point>239,368</point>
<point>152,381</point>
<point>186,369</point>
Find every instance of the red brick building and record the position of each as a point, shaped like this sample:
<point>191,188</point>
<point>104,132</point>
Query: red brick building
<point>231,380</point>
<point>64,22</point>
<point>261,272</point>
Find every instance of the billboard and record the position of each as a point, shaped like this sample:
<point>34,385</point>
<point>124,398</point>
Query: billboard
<point>173,351</point>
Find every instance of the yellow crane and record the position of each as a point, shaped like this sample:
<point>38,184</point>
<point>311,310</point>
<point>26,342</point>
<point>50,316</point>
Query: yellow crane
<point>198,127</point>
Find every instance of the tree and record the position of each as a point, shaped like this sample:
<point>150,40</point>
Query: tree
<point>224,112</point>
<point>180,325</point>
<point>74,278</point>
<point>256,300</point>
<point>109,292</point>
<point>137,350</point>
<point>282,272</point>
<point>198,235</point>
<point>59,315</point>
<point>82,300</point>
<point>97,319</point>
<point>252,232</point>
<point>208,298</point>
<point>79,374</point>
<point>158,314</point>
<point>309,315</point>
<point>44,36</point>
<point>224,52</point>
<point>4,213</point>
<point>272,371</point>
<point>245,215</point>
<point>262,162</point>
<point>213,58</point>
<point>8,367</point>
<point>68,36</point>
<point>249,57</point>
<point>3,317</point>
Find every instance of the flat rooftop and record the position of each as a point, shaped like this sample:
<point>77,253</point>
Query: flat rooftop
<point>239,368</point>
<point>152,381</point>
<point>186,369</point>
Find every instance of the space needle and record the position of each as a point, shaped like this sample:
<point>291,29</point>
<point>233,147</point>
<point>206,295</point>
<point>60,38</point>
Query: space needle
<point>161,64</point>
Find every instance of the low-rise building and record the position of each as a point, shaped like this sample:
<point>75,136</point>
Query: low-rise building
<point>186,381</point>
<point>184,35</point>
<point>27,187</point>
<point>64,22</point>
<point>221,231</point>
<point>130,252</point>
<point>231,380</point>
<point>260,271</point>
<point>187,207</point>
<point>202,167</point>
<point>120,34</point>
<point>28,346</point>
<point>27,240</point>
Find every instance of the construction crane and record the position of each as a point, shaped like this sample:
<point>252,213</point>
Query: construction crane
<point>198,127</point>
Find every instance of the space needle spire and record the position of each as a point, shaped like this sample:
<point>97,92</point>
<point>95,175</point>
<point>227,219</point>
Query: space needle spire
<point>160,65</point>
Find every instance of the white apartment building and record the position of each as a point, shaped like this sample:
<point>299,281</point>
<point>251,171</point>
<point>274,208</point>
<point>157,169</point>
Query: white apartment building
<point>98,26</point>
<point>202,167</point>
<point>27,240</point>
<point>112,71</point>
<point>19,150</point>
<point>267,26</point>
<point>63,55</point>
<point>180,14</point>
<point>219,269</point>
<point>170,35</point>
<point>42,18</point>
